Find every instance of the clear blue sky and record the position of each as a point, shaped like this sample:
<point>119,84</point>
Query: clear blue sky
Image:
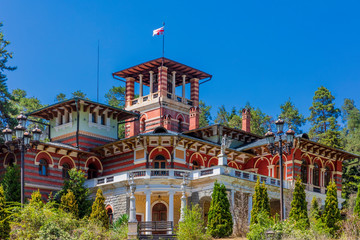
<point>258,51</point>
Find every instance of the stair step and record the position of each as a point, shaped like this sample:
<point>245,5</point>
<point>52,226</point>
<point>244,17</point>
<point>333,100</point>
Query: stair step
<point>158,237</point>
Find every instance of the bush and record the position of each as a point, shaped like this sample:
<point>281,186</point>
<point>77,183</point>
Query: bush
<point>120,226</point>
<point>262,225</point>
<point>298,213</point>
<point>11,184</point>
<point>68,203</point>
<point>99,212</point>
<point>192,227</point>
<point>260,202</point>
<point>331,215</point>
<point>4,216</point>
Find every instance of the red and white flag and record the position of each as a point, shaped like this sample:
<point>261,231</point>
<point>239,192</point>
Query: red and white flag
<point>159,31</point>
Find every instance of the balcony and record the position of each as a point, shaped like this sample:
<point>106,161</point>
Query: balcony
<point>177,174</point>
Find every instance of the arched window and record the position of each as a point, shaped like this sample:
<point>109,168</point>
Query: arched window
<point>65,170</point>
<point>195,165</point>
<point>316,175</point>
<point>180,125</point>
<point>43,168</point>
<point>143,125</point>
<point>327,176</point>
<point>110,215</point>
<point>160,162</point>
<point>304,171</point>
<point>277,170</point>
<point>11,162</point>
<point>92,171</point>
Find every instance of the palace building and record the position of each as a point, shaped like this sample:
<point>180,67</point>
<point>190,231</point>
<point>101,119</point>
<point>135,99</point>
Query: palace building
<point>163,143</point>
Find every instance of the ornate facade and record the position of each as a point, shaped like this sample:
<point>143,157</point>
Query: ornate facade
<point>162,142</point>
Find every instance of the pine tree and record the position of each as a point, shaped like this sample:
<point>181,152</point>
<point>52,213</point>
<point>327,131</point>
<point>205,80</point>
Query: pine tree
<point>222,116</point>
<point>60,97</point>
<point>260,202</point>
<point>331,215</point>
<point>314,210</point>
<point>79,94</point>
<point>11,184</point>
<point>99,212</point>
<point>323,118</point>
<point>4,217</point>
<point>260,122</point>
<point>291,116</point>
<point>357,204</point>
<point>116,97</point>
<point>219,217</point>
<point>205,115</point>
<point>298,212</point>
<point>6,108</point>
<point>68,203</point>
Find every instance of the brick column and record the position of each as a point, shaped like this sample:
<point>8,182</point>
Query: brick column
<point>129,91</point>
<point>162,81</point>
<point>194,118</point>
<point>194,93</point>
<point>246,120</point>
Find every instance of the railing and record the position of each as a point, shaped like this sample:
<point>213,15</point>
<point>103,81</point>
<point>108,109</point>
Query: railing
<point>155,226</point>
<point>155,95</point>
<point>193,175</point>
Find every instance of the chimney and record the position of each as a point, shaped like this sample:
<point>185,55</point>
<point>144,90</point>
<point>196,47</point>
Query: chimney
<point>246,120</point>
<point>133,127</point>
<point>194,118</point>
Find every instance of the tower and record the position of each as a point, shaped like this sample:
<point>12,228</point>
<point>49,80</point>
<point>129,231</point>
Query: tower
<point>161,98</point>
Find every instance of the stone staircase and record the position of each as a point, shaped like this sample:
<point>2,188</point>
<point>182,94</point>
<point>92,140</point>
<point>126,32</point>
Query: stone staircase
<point>158,237</point>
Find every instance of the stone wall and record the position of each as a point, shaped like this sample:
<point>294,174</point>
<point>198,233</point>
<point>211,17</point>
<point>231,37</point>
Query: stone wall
<point>119,203</point>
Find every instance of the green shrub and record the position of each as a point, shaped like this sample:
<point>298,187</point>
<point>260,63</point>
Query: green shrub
<point>99,212</point>
<point>331,215</point>
<point>262,225</point>
<point>192,226</point>
<point>298,213</point>
<point>4,216</point>
<point>357,203</point>
<point>260,202</point>
<point>68,203</point>
<point>11,184</point>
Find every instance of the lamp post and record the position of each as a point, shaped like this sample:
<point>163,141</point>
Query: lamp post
<point>280,148</point>
<point>23,138</point>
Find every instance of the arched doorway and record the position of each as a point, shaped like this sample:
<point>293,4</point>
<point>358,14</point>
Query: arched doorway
<point>159,212</point>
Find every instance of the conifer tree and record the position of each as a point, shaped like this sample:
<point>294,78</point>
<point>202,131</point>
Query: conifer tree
<point>4,221</point>
<point>323,118</point>
<point>11,184</point>
<point>99,211</point>
<point>331,215</point>
<point>260,202</point>
<point>68,203</point>
<point>357,204</point>
<point>36,199</point>
<point>314,210</point>
<point>291,116</point>
<point>219,217</point>
<point>298,212</point>
<point>205,116</point>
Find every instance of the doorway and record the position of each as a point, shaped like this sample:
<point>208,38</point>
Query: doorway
<point>159,212</point>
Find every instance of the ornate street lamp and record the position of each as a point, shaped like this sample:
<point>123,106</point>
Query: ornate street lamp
<point>23,139</point>
<point>280,148</point>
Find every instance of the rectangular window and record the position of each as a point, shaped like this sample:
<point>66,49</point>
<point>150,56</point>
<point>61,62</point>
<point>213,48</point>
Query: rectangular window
<point>94,117</point>
<point>103,119</point>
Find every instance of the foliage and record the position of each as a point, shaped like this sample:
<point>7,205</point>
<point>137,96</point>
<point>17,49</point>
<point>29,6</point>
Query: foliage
<point>75,183</point>
<point>357,204</point>
<point>260,202</point>
<point>323,119</point>
<point>192,226</point>
<point>116,97</point>
<point>222,116</point>
<point>6,108</point>
<point>314,210</point>
<point>99,212</point>
<point>79,94</point>
<point>291,116</point>
<point>351,227</point>
<point>260,122</point>
<point>298,212</point>
<point>36,200</point>
<point>60,97</point>
<point>205,115</point>
<point>11,184</point>
<point>120,226</point>
<point>220,222</point>
<point>263,223</point>
<point>68,203</point>
<point>331,215</point>
<point>4,216</point>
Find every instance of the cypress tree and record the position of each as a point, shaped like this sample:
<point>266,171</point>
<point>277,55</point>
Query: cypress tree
<point>99,211</point>
<point>68,203</point>
<point>298,212</point>
<point>36,199</point>
<point>260,202</point>
<point>4,221</point>
<point>219,217</point>
<point>331,215</point>
<point>11,184</point>
<point>357,205</point>
<point>314,210</point>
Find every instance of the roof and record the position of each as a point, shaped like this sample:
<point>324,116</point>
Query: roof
<point>49,112</point>
<point>153,65</point>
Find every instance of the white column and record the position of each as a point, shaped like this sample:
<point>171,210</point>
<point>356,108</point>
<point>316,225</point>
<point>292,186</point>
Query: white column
<point>151,81</point>
<point>249,207</point>
<point>232,196</point>
<point>148,206</point>
<point>183,86</point>
<point>141,85</point>
<point>171,208</point>
<point>173,83</point>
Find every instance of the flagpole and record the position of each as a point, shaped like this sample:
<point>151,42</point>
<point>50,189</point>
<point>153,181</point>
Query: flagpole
<point>163,49</point>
